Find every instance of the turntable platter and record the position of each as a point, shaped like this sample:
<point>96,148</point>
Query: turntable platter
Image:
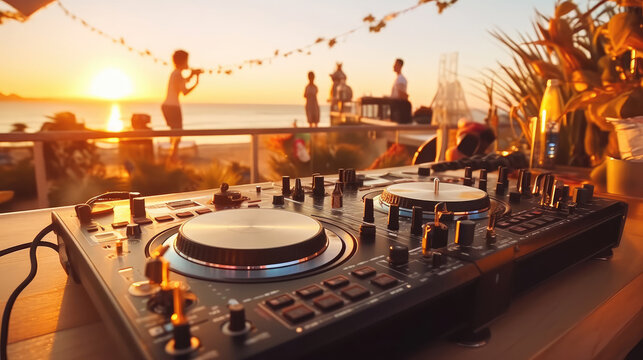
<point>459,198</point>
<point>251,237</point>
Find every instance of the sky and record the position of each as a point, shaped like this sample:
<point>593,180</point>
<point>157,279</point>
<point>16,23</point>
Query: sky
<point>52,56</point>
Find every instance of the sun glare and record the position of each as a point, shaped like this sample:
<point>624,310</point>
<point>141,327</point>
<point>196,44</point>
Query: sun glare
<point>112,84</point>
<point>115,124</point>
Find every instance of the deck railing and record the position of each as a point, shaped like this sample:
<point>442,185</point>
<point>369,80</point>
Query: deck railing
<point>39,138</point>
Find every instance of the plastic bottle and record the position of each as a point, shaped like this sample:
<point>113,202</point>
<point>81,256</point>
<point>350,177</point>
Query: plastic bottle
<point>546,130</point>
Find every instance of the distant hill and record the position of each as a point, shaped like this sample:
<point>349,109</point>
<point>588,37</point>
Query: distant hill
<point>10,97</point>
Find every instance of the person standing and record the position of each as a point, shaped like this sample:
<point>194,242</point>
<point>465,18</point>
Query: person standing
<point>399,86</point>
<point>337,78</point>
<point>171,107</point>
<point>312,107</point>
<point>344,95</point>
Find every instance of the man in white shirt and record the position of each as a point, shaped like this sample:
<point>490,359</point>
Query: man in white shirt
<point>171,107</point>
<point>399,86</point>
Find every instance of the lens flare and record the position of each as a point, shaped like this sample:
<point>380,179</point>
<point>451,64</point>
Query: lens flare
<point>111,84</point>
<point>115,124</point>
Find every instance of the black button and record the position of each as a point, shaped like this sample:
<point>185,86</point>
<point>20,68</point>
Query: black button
<point>503,224</point>
<point>183,215</point>
<point>384,281</point>
<point>120,224</point>
<point>163,218</point>
<point>521,218</point>
<point>143,221</point>
<point>538,222</point>
<point>328,302</point>
<point>529,216</point>
<point>298,313</point>
<point>513,221</point>
<point>364,272</point>
<point>92,228</point>
<point>280,301</point>
<point>549,219</point>
<point>518,229</point>
<point>355,292</point>
<point>310,291</point>
<point>529,226</point>
<point>203,211</point>
<point>336,282</point>
<point>253,206</point>
<point>537,212</point>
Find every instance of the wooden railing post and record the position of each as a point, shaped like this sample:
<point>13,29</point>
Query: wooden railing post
<point>42,187</point>
<point>254,148</point>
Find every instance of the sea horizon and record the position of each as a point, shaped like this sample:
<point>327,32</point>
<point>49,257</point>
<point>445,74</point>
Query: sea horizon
<point>115,115</point>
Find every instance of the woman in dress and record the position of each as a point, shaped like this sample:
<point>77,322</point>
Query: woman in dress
<point>312,107</point>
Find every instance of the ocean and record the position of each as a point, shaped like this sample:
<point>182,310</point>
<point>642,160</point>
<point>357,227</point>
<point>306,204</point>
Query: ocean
<point>100,115</point>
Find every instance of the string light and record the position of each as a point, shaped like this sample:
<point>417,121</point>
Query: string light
<point>373,24</point>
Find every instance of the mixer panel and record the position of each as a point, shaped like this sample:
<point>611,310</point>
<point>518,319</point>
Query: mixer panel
<point>293,267</point>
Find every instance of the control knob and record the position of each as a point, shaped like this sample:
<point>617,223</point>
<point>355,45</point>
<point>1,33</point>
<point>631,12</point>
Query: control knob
<point>468,176</point>
<point>398,255</point>
<point>491,236</point>
<point>277,200</point>
<point>318,186</point>
<point>285,185</point>
<point>227,198</point>
<point>182,341</point>
<point>133,230</point>
<point>237,325</point>
<point>524,182</point>
<point>84,213</point>
<point>582,195</point>
<point>138,208</point>
<point>132,195</point>
<point>438,259</point>
<point>464,232</point>
<point>298,191</point>
<point>369,216</point>
<point>393,217</point>
<point>337,196</point>
<point>482,182</point>
<point>416,221</point>
<point>367,232</point>
<point>590,189</point>
<point>424,171</point>
<point>436,234</point>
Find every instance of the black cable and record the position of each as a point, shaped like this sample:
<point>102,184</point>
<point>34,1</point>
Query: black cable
<point>111,195</point>
<point>4,336</point>
<point>27,246</point>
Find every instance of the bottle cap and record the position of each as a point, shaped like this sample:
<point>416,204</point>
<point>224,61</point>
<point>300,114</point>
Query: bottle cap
<point>553,82</point>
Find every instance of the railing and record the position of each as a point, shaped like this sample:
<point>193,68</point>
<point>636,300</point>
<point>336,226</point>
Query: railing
<point>41,137</point>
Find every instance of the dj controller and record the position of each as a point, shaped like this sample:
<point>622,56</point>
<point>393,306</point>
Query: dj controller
<point>295,268</point>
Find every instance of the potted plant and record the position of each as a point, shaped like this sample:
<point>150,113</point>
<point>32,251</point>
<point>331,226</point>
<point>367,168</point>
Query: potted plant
<point>597,54</point>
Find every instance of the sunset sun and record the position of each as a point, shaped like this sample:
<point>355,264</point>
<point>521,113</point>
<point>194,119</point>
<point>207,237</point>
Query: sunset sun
<point>112,84</point>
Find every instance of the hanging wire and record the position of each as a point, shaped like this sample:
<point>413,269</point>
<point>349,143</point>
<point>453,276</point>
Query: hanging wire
<point>373,24</point>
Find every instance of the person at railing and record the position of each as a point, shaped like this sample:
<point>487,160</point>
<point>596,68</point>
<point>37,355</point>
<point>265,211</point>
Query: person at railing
<point>171,107</point>
<point>312,107</point>
<point>399,86</point>
<point>400,105</point>
<point>336,77</point>
<point>344,95</point>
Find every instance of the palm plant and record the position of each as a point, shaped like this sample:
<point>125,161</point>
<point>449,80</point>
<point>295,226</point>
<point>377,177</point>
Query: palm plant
<point>596,55</point>
<point>327,154</point>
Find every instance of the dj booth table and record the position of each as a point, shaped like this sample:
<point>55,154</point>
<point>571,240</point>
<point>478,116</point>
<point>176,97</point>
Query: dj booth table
<point>593,310</point>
